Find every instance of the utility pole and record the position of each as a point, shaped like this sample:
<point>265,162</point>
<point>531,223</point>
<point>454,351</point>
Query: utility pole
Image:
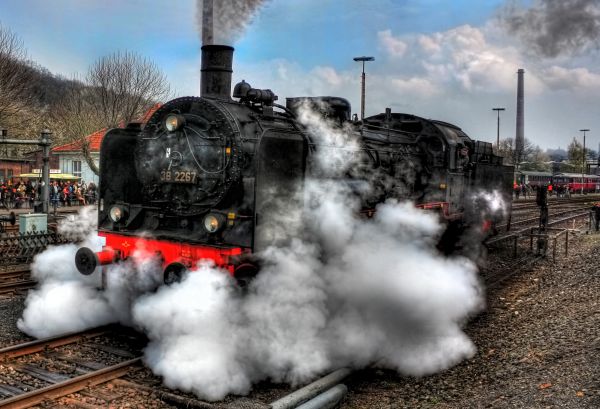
<point>362,89</point>
<point>498,132</point>
<point>45,144</point>
<point>584,161</point>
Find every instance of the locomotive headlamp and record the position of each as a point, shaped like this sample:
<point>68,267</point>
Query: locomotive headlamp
<point>174,122</point>
<point>116,213</point>
<point>213,222</point>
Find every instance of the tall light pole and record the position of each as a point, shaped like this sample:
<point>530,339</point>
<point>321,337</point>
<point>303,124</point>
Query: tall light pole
<point>584,161</point>
<point>362,88</point>
<point>498,133</point>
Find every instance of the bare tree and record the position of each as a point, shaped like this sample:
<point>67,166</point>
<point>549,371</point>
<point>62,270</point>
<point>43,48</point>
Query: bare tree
<point>575,151</point>
<point>125,86</point>
<point>118,88</point>
<point>508,151</point>
<point>75,117</point>
<point>16,76</point>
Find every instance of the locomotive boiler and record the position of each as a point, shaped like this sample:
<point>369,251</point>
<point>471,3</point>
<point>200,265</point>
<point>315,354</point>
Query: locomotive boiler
<point>197,181</point>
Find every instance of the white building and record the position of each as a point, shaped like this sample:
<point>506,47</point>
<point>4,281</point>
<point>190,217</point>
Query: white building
<point>71,159</point>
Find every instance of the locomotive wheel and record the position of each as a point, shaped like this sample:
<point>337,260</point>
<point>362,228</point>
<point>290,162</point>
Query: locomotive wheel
<point>174,273</point>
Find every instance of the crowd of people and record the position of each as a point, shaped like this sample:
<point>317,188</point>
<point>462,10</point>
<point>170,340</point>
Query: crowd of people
<point>24,194</point>
<point>525,190</point>
<point>72,193</point>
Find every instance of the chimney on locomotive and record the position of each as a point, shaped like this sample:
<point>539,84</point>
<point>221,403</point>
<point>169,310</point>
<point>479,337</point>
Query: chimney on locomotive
<point>215,77</point>
<point>217,60</point>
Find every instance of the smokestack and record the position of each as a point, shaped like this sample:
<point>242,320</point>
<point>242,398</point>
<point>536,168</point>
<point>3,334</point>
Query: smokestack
<point>217,60</point>
<point>520,138</point>
<point>215,75</point>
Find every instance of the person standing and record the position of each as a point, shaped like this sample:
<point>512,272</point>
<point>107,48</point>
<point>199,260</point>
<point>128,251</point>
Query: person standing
<point>55,195</point>
<point>596,214</point>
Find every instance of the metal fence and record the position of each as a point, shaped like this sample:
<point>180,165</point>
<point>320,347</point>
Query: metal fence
<point>21,248</point>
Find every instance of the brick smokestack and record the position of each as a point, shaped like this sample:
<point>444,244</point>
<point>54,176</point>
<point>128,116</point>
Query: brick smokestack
<point>520,136</point>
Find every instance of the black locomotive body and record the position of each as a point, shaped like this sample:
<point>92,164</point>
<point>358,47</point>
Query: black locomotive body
<point>198,180</point>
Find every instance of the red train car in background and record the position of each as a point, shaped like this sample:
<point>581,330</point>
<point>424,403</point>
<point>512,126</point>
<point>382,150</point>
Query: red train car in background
<point>571,182</point>
<point>575,182</point>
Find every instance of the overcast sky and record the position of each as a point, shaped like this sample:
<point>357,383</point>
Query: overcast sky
<point>448,60</point>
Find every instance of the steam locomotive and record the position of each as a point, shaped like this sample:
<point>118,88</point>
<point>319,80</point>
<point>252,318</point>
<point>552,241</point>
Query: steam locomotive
<point>197,181</point>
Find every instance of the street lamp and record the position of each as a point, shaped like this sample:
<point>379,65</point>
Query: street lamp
<point>498,134</point>
<point>583,164</point>
<point>362,89</point>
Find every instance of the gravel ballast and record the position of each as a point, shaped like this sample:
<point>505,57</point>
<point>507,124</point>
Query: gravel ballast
<point>11,309</point>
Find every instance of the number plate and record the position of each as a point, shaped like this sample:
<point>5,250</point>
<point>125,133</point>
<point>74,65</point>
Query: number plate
<point>178,176</point>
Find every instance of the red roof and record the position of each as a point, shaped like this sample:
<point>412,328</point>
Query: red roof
<point>95,139</point>
<point>148,114</point>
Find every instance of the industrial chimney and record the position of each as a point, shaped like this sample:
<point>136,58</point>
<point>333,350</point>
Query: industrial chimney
<point>520,138</point>
<point>217,60</point>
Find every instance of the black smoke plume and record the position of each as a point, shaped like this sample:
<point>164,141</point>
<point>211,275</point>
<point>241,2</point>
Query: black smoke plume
<point>551,28</point>
<point>230,18</point>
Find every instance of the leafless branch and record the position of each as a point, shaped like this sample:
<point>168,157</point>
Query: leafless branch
<point>16,76</point>
<point>126,85</point>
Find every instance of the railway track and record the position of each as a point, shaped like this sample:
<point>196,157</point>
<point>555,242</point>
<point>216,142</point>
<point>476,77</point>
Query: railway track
<point>16,287</point>
<point>59,370</point>
<point>15,279</point>
<point>49,368</point>
<point>562,210</point>
<point>535,219</point>
<point>530,203</point>
<point>517,250</point>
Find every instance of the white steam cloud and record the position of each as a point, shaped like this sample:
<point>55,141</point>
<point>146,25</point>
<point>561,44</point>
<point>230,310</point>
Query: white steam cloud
<point>67,301</point>
<point>338,289</point>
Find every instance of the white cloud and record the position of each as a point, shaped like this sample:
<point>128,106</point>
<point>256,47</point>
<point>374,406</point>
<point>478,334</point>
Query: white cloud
<point>429,44</point>
<point>415,86</point>
<point>462,56</point>
<point>392,45</point>
<point>329,75</point>
<point>561,78</point>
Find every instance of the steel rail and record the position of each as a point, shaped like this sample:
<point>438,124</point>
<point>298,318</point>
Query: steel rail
<point>10,287</point>
<point>499,239</point>
<point>537,218</point>
<point>43,344</point>
<point>555,200</point>
<point>11,268</point>
<point>11,275</point>
<point>69,386</point>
